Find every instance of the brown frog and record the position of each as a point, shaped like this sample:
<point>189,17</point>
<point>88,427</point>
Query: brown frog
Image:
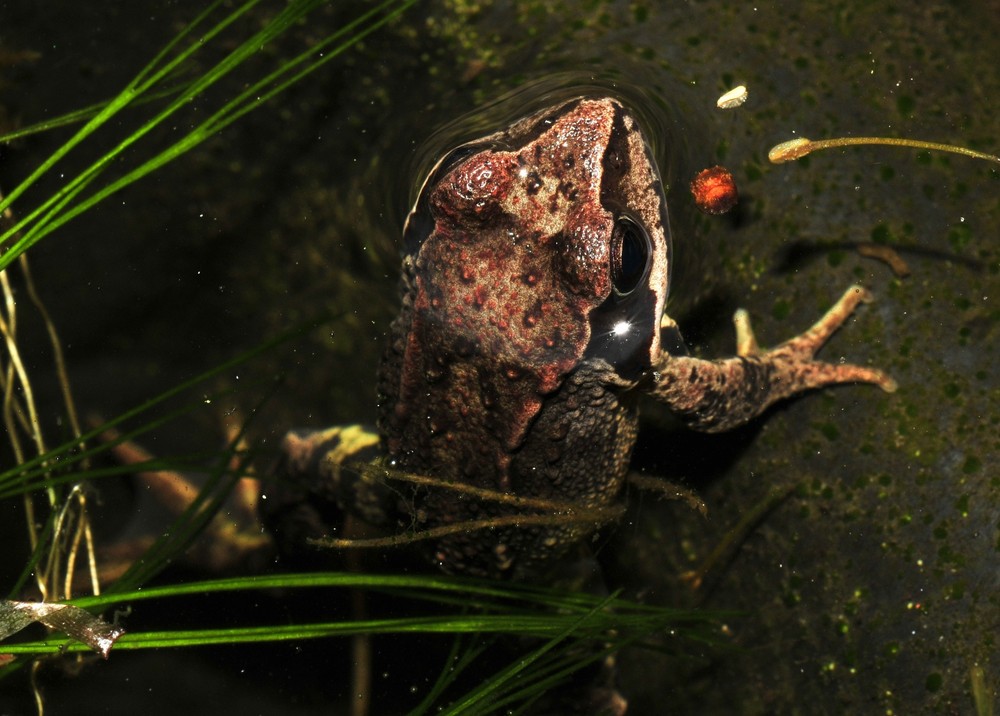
<point>534,279</point>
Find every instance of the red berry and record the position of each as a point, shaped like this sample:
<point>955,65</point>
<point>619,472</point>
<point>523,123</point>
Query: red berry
<point>714,190</point>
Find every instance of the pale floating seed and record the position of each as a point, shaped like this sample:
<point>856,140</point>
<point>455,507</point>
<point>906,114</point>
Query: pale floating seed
<point>790,151</point>
<point>733,98</point>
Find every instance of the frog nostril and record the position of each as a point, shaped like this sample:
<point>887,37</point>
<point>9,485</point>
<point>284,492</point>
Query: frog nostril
<point>629,256</point>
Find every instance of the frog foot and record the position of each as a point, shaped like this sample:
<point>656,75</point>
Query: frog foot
<point>232,538</point>
<point>719,395</point>
<point>802,349</point>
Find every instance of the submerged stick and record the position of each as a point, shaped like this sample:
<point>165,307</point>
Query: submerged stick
<point>795,148</point>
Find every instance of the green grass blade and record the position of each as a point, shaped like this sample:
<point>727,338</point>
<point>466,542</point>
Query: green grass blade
<point>464,651</point>
<point>487,688</point>
<point>54,207</point>
<point>65,450</point>
<point>132,90</point>
<point>284,632</point>
<point>59,209</point>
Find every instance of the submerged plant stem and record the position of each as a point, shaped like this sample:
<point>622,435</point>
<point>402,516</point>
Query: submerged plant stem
<point>796,148</point>
<point>600,516</point>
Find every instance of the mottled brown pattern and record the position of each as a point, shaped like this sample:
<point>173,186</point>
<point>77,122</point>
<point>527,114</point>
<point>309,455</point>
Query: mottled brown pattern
<point>509,269</point>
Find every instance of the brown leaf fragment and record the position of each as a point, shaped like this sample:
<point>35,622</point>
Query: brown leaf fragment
<point>76,623</point>
<point>887,256</point>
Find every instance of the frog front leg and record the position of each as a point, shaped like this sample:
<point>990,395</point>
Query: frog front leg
<point>315,485</point>
<point>718,395</point>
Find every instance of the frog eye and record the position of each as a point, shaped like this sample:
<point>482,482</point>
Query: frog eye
<point>630,254</point>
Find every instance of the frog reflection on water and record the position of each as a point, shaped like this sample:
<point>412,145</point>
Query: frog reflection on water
<point>534,279</point>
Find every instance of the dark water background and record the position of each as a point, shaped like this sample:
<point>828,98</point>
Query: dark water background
<point>873,589</point>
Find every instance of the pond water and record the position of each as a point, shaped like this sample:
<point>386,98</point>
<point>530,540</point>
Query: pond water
<point>870,588</point>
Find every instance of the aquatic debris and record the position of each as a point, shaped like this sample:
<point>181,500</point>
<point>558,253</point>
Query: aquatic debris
<point>76,623</point>
<point>714,190</point>
<point>886,255</point>
<point>733,98</point>
<point>796,148</point>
